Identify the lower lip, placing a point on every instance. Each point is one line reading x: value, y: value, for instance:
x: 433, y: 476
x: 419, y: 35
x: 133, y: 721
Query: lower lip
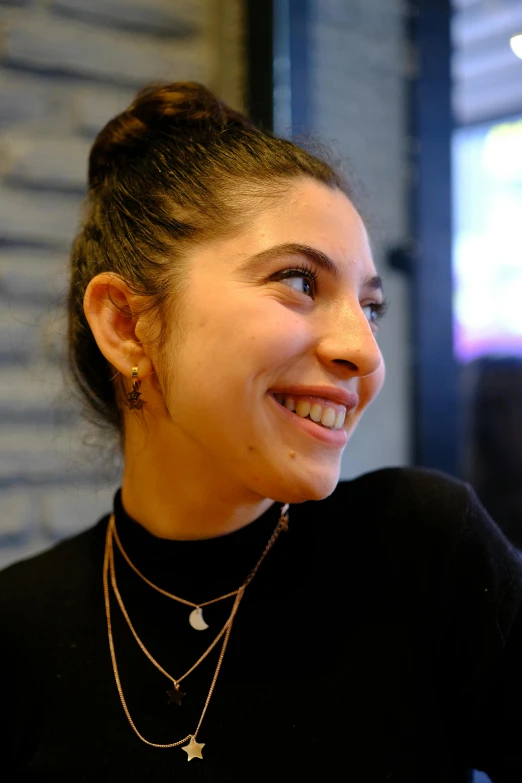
x: 332, y: 437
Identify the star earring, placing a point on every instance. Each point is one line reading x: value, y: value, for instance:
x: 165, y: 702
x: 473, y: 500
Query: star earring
x: 133, y: 397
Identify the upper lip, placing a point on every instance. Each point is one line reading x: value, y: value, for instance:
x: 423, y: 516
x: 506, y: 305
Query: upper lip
x: 340, y: 396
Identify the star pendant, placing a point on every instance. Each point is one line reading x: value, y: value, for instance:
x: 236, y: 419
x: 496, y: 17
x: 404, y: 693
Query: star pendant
x: 134, y: 399
x: 193, y: 749
x: 175, y: 695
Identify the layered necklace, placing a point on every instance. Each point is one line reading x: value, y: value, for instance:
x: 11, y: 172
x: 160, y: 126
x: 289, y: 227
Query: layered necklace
x: 175, y: 695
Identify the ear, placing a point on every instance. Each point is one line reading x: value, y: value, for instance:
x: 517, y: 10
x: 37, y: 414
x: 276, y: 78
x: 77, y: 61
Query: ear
x: 112, y: 313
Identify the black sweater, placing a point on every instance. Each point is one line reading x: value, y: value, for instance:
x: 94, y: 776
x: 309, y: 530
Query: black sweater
x: 380, y: 642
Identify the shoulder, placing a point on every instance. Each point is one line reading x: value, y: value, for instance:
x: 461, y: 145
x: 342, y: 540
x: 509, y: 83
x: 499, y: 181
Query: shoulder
x: 421, y: 489
x: 408, y: 510
x: 419, y: 510
x: 399, y: 490
x: 52, y: 576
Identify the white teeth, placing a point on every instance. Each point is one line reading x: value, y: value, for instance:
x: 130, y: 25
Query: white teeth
x: 303, y: 408
x: 339, y: 421
x: 326, y: 415
x: 289, y: 403
x: 316, y: 411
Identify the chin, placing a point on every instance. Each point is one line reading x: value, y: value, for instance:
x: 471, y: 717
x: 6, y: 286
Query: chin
x: 299, y: 490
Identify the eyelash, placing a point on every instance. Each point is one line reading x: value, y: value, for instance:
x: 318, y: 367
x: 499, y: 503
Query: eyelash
x: 379, y: 309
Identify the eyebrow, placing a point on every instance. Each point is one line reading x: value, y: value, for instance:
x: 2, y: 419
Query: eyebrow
x: 372, y: 282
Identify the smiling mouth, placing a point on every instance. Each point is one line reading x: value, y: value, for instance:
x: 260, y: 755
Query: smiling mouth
x: 323, y: 416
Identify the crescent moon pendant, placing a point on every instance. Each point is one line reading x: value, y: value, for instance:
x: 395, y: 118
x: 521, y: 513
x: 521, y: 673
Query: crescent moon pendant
x: 196, y: 619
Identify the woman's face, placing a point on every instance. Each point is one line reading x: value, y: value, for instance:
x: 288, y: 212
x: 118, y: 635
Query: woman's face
x: 249, y: 329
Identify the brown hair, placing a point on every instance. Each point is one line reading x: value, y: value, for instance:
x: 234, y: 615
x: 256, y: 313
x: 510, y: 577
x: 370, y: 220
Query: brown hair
x: 177, y: 167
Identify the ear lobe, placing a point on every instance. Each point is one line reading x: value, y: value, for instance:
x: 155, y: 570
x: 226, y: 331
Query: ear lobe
x: 108, y: 309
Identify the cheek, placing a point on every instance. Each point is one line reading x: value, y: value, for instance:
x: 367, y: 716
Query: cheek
x: 264, y: 337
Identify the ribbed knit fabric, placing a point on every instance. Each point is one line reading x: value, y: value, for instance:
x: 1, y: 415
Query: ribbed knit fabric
x: 380, y: 641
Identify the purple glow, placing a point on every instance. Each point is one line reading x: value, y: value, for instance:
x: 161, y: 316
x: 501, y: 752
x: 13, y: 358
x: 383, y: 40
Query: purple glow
x: 487, y: 249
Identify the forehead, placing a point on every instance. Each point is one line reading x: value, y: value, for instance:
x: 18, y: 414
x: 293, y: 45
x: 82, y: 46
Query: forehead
x: 309, y: 213
x: 313, y: 214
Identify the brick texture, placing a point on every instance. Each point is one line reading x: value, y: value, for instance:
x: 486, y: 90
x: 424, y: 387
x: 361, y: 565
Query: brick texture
x: 81, y: 49
x: 66, y: 67
x: 358, y: 66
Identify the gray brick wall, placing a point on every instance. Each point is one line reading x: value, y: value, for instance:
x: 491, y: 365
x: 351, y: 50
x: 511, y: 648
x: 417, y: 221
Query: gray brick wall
x: 358, y: 66
x: 66, y: 67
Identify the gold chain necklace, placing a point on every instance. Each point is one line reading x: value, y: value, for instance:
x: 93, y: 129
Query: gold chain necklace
x: 194, y: 748
x: 175, y: 695
x: 196, y: 619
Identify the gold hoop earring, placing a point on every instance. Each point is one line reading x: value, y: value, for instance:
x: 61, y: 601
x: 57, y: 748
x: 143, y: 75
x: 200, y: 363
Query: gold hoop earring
x: 133, y: 397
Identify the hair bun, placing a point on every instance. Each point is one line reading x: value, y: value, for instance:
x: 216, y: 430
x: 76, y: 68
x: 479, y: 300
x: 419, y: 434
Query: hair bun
x: 179, y: 107
x: 184, y: 103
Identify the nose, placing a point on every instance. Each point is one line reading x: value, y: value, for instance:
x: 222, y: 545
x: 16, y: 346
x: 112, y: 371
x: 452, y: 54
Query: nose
x: 348, y: 341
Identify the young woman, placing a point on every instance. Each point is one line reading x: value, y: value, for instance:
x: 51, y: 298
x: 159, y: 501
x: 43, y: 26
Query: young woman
x: 242, y: 615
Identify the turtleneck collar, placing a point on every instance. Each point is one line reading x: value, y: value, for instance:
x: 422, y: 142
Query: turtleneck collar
x: 204, y: 565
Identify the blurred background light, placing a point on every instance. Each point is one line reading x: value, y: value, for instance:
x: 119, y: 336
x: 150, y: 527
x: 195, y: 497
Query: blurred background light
x: 516, y: 44
x: 487, y: 168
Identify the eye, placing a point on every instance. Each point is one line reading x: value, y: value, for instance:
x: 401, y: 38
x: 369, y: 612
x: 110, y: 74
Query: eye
x: 375, y: 312
x: 307, y: 274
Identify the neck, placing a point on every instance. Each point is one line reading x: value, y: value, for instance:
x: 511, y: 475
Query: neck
x: 174, y: 497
